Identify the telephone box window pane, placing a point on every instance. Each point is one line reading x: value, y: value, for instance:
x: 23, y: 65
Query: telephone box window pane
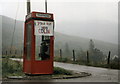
x: 28, y: 42
x: 42, y: 48
x: 37, y: 46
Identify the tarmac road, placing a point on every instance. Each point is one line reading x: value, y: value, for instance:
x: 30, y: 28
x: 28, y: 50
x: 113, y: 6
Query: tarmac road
x: 98, y: 74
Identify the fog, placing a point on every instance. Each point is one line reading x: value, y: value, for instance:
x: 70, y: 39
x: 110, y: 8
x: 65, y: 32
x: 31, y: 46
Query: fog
x: 90, y: 19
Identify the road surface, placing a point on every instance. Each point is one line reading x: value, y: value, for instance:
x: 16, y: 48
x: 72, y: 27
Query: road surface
x: 98, y: 74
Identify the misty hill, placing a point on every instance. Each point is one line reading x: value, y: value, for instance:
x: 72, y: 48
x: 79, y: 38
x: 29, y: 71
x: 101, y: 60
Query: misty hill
x: 7, y: 32
x: 61, y: 40
x: 79, y: 43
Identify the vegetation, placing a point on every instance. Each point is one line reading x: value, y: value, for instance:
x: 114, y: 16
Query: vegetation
x: 61, y: 71
x: 10, y: 67
x: 12, y: 56
x: 112, y: 65
x: 59, y: 59
x: 95, y: 54
x: 14, y: 68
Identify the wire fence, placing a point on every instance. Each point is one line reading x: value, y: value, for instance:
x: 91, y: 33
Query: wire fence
x: 86, y: 59
x: 12, y: 53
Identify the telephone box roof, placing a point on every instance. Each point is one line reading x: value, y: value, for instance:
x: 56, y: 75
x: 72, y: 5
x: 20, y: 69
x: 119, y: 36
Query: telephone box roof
x: 40, y: 15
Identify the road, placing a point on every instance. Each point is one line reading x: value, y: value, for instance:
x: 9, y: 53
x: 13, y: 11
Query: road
x: 98, y: 74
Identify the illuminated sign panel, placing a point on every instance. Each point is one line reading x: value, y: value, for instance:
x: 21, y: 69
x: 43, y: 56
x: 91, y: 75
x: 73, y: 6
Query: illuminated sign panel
x: 43, y: 15
x: 43, y: 28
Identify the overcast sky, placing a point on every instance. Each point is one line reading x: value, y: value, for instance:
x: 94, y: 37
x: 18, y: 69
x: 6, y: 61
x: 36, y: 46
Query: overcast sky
x: 96, y: 19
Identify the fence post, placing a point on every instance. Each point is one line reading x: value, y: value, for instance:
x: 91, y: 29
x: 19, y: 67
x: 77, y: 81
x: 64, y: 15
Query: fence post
x: 21, y: 53
x: 15, y: 52
x: 6, y: 52
x: 60, y: 53
x: 88, y: 57
x: 118, y: 61
x: 108, y: 61
x: 74, y: 55
x: 10, y: 52
x: 2, y: 53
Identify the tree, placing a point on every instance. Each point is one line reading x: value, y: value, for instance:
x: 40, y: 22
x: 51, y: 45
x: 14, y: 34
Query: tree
x: 67, y: 50
x: 91, y: 46
x: 95, y: 54
x: 82, y: 56
x: 98, y: 55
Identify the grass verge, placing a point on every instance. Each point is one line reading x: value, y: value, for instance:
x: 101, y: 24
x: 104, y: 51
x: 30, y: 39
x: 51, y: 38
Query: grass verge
x: 14, y: 68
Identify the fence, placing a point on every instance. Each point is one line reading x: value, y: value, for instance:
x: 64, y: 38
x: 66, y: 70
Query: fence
x: 106, y: 62
x: 12, y: 53
x: 74, y: 58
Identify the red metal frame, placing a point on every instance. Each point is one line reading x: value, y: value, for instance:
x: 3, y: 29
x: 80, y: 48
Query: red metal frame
x: 33, y: 66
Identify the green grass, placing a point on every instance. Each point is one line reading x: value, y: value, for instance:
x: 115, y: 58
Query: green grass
x: 58, y: 59
x: 61, y: 71
x: 10, y: 67
x: 11, y: 56
x: 14, y: 68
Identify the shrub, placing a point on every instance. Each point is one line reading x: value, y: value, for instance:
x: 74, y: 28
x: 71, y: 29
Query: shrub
x: 10, y: 67
x: 114, y: 65
x: 58, y: 59
x: 58, y: 70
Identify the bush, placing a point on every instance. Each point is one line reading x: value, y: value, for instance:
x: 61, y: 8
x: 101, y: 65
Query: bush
x: 61, y: 71
x: 114, y: 66
x: 10, y: 67
x: 58, y: 59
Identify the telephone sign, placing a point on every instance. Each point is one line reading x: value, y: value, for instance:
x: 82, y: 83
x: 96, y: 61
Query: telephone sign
x: 43, y: 15
x: 43, y: 28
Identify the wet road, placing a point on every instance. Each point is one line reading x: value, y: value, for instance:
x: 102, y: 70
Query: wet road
x: 98, y: 74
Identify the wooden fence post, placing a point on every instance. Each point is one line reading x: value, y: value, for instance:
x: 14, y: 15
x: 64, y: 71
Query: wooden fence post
x: 108, y: 61
x: 88, y: 57
x: 118, y: 62
x: 2, y: 53
x: 15, y: 52
x: 6, y: 52
x: 74, y: 55
x: 60, y: 53
x: 10, y: 52
x: 21, y: 53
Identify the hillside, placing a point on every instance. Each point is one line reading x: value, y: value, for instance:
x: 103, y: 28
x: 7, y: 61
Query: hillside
x: 79, y: 43
x: 7, y: 32
x: 73, y: 42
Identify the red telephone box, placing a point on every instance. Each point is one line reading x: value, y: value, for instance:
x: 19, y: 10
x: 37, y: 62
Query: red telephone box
x: 38, y: 43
